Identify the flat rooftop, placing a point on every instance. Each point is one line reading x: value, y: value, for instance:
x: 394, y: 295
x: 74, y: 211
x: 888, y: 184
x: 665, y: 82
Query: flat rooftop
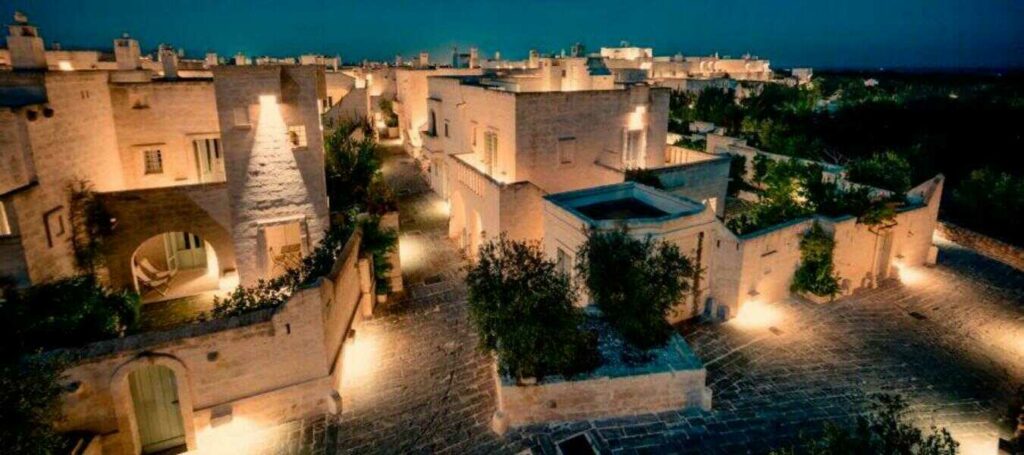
x: 628, y: 202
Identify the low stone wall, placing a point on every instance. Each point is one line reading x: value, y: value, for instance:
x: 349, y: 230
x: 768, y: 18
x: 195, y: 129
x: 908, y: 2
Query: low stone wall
x: 988, y: 246
x: 604, y: 397
x: 674, y: 378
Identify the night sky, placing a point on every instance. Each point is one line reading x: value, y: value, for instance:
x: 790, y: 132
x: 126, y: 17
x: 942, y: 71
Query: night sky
x: 819, y: 33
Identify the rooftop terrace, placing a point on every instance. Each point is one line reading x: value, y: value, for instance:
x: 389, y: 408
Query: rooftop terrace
x: 630, y: 202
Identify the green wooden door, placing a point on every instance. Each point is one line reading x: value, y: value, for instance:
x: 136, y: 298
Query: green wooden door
x: 155, y: 397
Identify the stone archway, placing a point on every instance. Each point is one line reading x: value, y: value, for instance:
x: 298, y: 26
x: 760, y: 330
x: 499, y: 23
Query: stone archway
x: 142, y: 214
x: 124, y: 407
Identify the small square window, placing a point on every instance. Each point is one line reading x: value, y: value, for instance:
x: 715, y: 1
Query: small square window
x: 241, y: 115
x: 297, y: 136
x: 154, y: 162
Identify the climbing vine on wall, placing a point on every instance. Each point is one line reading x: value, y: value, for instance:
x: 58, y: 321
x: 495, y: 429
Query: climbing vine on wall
x: 816, y: 273
x: 91, y: 224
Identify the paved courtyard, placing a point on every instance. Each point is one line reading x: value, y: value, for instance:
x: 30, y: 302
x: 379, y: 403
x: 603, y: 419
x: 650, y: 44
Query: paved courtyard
x: 950, y: 339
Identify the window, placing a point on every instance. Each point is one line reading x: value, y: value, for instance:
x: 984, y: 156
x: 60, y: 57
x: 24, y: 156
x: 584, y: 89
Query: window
x: 5, y: 223
x: 632, y: 148
x: 241, y: 115
x: 474, y: 136
x: 445, y: 128
x: 153, y: 160
x: 563, y: 263
x: 566, y: 150
x: 432, y: 126
x: 297, y: 136
x: 491, y: 150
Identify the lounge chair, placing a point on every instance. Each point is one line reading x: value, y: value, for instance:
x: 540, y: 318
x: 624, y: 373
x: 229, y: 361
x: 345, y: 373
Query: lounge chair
x: 156, y: 273
x: 159, y: 285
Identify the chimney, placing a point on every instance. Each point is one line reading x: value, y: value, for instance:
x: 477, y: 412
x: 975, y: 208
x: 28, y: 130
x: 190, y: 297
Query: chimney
x: 25, y: 44
x: 474, y: 58
x: 240, y: 59
x: 424, y: 59
x: 127, y: 53
x: 534, y: 61
x: 210, y: 60
x: 169, y: 59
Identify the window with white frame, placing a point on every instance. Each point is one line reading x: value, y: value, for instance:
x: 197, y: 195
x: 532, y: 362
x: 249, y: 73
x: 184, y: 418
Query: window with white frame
x: 632, y: 148
x: 562, y: 262
x: 297, y: 136
x: 153, y: 162
x: 566, y: 150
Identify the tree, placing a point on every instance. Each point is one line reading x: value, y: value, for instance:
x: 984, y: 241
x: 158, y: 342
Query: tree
x: 888, y: 171
x: 523, y: 309
x: 634, y: 283
x: 30, y: 392
x: 816, y: 274
x: 885, y: 430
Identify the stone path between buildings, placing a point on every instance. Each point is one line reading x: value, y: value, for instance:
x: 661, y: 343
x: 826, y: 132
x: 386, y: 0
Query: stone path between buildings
x: 950, y: 339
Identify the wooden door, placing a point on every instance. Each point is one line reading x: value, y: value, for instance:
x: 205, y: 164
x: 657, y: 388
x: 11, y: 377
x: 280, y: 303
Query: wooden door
x: 189, y: 251
x: 155, y: 398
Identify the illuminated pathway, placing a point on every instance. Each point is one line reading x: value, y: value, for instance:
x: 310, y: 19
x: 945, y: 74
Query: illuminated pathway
x: 947, y: 339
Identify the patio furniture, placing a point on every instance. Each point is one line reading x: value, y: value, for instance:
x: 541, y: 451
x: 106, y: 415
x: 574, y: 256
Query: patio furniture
x: 289, y: 257
x: 159, y: 285
x: 156, y: 273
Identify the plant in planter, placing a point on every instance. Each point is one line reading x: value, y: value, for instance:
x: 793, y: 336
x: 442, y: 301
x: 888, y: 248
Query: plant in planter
x: 523, y: 310
x: 379, y: 242
x: 634, y: 283
x: 816, y: 274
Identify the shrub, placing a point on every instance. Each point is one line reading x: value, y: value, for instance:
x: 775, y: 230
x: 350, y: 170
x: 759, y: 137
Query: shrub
x: 30, y: 392
x: 816, y: 273
x: 90, y: 225
x: 991, y: 201
x: 65, y: 313
x: 523, y: 309
x: 884, y: 430
x: 634, y: 283
x: 275, y: 292
x: 888, y: 171
x: 379, y: 243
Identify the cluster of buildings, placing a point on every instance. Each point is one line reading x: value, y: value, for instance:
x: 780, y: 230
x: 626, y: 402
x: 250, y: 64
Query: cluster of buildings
x: 213, y: 175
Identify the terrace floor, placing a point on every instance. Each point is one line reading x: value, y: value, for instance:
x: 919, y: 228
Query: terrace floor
x: 950, y: 339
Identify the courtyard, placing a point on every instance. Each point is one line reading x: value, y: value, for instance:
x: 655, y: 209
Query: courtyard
x: 947, y: 338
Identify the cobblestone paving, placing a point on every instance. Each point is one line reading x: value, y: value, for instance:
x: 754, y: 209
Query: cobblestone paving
x: 948, y: 339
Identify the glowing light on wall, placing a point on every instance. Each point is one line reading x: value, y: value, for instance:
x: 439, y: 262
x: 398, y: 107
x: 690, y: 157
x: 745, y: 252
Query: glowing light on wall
x: 240, y: 435
x: 910, y: 276
x: 756, y: 314
x: 65, y: 65
x: 361, y: 354
x: 636, y: 118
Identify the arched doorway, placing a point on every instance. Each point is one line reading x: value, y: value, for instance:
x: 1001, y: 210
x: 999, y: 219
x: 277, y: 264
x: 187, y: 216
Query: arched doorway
x: 173, y: 265
x: 154, y: 393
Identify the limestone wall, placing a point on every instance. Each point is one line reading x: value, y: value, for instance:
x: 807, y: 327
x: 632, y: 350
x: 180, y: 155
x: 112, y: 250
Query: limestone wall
x: 411, y: 91
x: 703, y: 181
x: 163, y: 115
x: 522, y: 206
x: 271, y: 180
x: 261, y: 368
x: 77, y: 142
x: 995, y: 249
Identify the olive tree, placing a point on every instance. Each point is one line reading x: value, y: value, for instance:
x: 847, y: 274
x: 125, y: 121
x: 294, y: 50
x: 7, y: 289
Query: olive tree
x: 523, y: 309
x: 634, y: 282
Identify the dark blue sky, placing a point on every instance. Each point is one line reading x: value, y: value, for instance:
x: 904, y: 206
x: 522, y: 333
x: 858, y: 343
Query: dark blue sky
x: 820, y: 33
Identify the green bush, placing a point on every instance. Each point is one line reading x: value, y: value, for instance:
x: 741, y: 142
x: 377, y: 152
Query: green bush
x: 884, y: 430
x: 888, y: 171
x: 30, y: 392
x: 69, y: 312
x: 379, y: 243
x: 275, y: 292
x: 634, y: 283
x: 816, y: 274
x: 523, y: 309
x: 990, y: 201
x: 90, y: 225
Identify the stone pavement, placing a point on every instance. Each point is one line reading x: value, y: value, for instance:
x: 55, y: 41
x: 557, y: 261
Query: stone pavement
x: 950, y: 339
